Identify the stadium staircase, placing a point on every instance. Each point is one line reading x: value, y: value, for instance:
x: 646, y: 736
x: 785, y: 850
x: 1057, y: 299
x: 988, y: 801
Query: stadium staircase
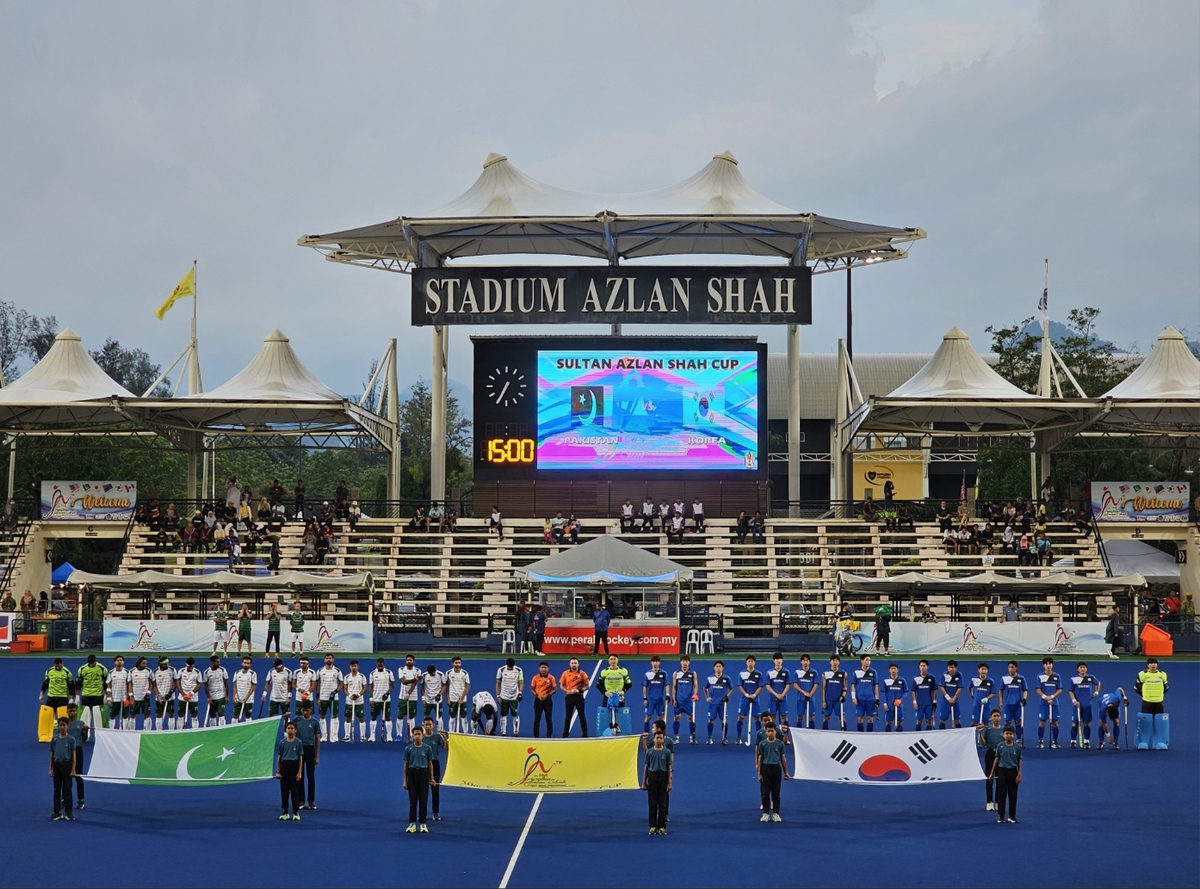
x: 464, y: 579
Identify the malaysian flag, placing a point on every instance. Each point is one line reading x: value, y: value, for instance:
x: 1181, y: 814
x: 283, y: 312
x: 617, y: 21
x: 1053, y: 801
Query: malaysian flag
x: 962, y: 490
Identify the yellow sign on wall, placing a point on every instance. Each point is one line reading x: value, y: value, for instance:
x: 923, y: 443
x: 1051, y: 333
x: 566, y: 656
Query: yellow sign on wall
x: 870, y: 476
x: 541, y: 765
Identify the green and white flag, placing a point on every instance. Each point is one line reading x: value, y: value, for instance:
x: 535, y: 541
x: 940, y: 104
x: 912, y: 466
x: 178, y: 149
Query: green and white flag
x: 204, y: 757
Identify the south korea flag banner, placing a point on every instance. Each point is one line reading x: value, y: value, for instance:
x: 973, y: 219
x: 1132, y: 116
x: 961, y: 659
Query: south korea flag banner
x: 895, y: 758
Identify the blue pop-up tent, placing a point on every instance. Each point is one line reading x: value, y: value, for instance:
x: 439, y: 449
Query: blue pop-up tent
x: 62, y: 573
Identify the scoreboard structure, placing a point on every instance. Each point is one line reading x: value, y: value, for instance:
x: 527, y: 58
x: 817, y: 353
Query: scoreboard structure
x: 629, y: 409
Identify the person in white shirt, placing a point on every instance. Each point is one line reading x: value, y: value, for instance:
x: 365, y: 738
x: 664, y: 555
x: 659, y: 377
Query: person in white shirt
x: 118, y: 694
x: 304, y: 683
x: 329, y: 683
x: 664, y: 516
x: 216, y: 687
x: 458, y: 686
x: 698, y: 515
x: 676, y: 530
x: 483, y: 715
x: 245, y: 681
x: 510, y: 688
x: 627, y: 516
x: 409, y: 680
x: 382, y: 681
x: 140, y: 678
x: 188, y: 680
x: 164, y: 693
x: 277, y: 690
x: 647, y: 514
x: 433, y: 685
x: 354, y: 684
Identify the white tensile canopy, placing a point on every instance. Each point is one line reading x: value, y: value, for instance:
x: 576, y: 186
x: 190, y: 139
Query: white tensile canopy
x: 507, y: 212
x: 274, y: 393
x: 987, y: 582
x: 287, y: 580
x: 605, y: 560
x: 957, y: 391
x: 66, y: 388
x: 1161, y: 395
x: 1137, y: 556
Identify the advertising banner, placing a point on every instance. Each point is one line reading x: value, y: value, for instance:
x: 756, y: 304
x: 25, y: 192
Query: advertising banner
x: 88, y: 501
x: 629, y: 638
x: 150, y: 636
x: 604, y: 295
x: 890, y: 759
x: 983, y: 638
x: 1140, y: 501
x: 525, y: 765
x: 6, y: 626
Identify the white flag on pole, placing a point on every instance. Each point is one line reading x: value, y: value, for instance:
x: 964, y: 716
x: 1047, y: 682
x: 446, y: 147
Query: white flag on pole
x: 894, y: 758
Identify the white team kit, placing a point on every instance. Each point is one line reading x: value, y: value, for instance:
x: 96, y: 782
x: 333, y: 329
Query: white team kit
x: 329, y: 681
x: 481, y: 700
x: 409, y: 681
x: 118, y: 692
x: 164, y: 690
x: 458, y: 684
x: 244, y: 684
x: 187, y: 682
x: 355, y: 686
x: 382, y: 681
x: 278, y: 690
x: 432, y: 685
x: 216, y: 679
x: 510, y: 682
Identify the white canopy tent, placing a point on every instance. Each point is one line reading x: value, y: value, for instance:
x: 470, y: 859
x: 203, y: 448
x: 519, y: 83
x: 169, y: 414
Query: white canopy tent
x: 1008, y: 587
x: 1161, y: 395
x: 225, y: 580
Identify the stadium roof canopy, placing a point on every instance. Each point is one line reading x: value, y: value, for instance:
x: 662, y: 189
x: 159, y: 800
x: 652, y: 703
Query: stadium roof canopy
x: 988, y: 582
x: 716, y: 211
x: 605, y: 560
x: 67, y: 388
x: 229, y: 580
x: 1161, y: 395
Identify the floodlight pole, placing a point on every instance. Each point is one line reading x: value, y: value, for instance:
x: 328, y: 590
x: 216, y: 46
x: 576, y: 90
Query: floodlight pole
x: 799, y: 260
x: 848, y: 493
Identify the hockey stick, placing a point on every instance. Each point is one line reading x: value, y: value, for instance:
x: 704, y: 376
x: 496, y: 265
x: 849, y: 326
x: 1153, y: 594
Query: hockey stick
x: 1125, y: 704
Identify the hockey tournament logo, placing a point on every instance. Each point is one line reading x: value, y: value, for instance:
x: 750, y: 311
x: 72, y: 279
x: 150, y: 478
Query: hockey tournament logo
x: 536, y: 773
x: 325, y: 640
x: 145, y: 639
x: 970, y: 640
x: 1062, y: 641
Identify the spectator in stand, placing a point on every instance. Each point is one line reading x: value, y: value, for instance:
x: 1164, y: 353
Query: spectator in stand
x: 758, y: 528
x: 451, y: 518
x: 1008, y: 541
x: 154, y: 517
x: 353, y: 515
x: 28, y: 604
x: 547, y: 532
x: 341, y: 500
x: 742, y: 527
x: 496, y: 521
x: 558, y: 527
x: 308, y: 548
x: 244, y: 516
x: 1045, y: 552
x: 1013, y: 612
x: 943, y: 517
x: 300, y: 493
x: 869, y: 513
x: 889, y: 491
x: 1047, y: 492
x: 419, y: 521
x: 904, y: 518
x: 986, y: 539
x: 927, y: 615
x: 537, y: 627
x: 264, y: 510
x: 275, y: 553
x: 627, y: 516
x: 233, y: 493
x: 276, y: 493
x: 648, y: 514
x: 698, y: 515
x: 573, y: 528
x: 1024, y: 550
x: 326, y: 513
x: 964, y: 513
x: 677, y: 508
x: 437, y: 517
x: 664, y: 516
x: 1083, y: 519
x: 10, y: 517
x: 8, y: 603
x: 676, y: 530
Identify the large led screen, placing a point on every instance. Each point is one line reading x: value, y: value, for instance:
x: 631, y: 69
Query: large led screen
x: 609, y: 409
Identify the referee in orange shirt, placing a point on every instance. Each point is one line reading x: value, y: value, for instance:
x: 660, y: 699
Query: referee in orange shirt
x: 574, y: 683
x: 543, y: 687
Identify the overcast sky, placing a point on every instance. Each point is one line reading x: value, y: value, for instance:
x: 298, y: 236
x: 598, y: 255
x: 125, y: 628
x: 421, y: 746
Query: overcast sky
x: 140, y: 136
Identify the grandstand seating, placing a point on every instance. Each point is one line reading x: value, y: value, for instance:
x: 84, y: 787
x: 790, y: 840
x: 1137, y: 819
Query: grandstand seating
x: 465, y: 578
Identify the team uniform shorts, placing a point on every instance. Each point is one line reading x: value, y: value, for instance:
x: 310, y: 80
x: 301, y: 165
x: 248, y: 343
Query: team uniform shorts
x: 118, y: 709
x: 355, y: 710
x: 275, y: 707
x: 777, y: 707
x: 716, y: 710
x: 947, y: 710
x: 406, y: 708
x: 895, y: 713
x: 1110, y: 712
x: 1085, y: 713
x: 216, y: 707
x: 508, y: 706
x: 383, y: 707
x: 924, y: 712
x: 684, y: 709
x: 163, y: 707
x: 429, y: 709
x: 243, y: 708
x: 866, y: 708
x: 1012, y: 713
x: 805, y: 707
x: 981, y: 711
x: 298, y: 639
x: 92, y: 701
x: 142, y: 706
x: 220, y: 637
x: 1044, y: 709
x: 656, y: 708
x: 459, y: 708
x: 830, y: 708
x: 327, y: 707
x: 183, y: 707
x: 744, y: 706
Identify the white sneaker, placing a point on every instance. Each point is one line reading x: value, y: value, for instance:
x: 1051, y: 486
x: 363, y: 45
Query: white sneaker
x: 775, y: 817
x: 765, y: 818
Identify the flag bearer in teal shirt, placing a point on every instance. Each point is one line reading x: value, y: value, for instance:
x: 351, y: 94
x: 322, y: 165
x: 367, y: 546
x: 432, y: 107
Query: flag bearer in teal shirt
x: 62, y: 769
x: 991, y: 736
x: 1007, y: 771
x: 656, y: 781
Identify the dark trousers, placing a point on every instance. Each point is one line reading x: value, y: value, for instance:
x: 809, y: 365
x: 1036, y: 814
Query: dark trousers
x: 574, y: 704
x: 272, y: 634
x: 543, y: 707
x: 79, y: 774
x: 62, y: 786
x: 656, y: 793
x: 418, y: 795
x: 1006, y: 789
x: 601, y: 639
x: 308, y: 784
x: 769, y: 786
x: 435, y: 790
x: 989, y: 784
x: 291, y: 788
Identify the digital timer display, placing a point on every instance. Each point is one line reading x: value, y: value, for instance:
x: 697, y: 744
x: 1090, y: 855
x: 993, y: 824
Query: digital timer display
x: 510, y: 450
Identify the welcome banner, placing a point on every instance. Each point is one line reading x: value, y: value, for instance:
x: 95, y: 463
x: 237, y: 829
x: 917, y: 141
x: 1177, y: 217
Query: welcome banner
x: 151, y: 636
x: 79, y: 501
x: 1140, y: 501
x: 887, y: 758
x: 230, y: 754
x: 539, y: 765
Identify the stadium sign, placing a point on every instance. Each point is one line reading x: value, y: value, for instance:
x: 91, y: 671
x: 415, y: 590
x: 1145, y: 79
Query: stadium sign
x: 80, y: 501
x: 612, y: 295
x: 1140, y: 501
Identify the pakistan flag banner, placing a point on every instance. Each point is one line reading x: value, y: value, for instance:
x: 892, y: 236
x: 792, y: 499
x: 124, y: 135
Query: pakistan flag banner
x: 203, y: 757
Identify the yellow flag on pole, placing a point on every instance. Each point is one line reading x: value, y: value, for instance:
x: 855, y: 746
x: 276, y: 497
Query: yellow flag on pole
x: 186, y: 287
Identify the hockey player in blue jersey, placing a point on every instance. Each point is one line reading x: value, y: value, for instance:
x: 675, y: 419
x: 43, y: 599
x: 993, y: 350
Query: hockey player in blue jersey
x: 1014, y: 692
x: 895, y: 690
x: 807, y: 684
x: 1110, y: 709
x: 774, y: 696
x: 750, y: 686
x: 654, y: 693
x: 864, y: 687
x: 950, y: 696
x: 833, y: 693
x: 1083, y: 690
x: 983, y: 697
x: 1049, y: 688
x: 717, y: 690
x: 924, y: 693
x: 685, y: 691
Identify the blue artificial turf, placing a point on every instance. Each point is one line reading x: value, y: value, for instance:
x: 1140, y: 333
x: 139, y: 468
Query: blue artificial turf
x: 1084, y: 818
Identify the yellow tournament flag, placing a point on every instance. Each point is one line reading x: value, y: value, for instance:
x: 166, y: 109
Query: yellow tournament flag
x: 541, y: 765
x: 186, y: 287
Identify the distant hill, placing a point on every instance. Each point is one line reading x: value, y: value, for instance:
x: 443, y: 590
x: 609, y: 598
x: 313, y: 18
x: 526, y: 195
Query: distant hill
x: 1058, y: 333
